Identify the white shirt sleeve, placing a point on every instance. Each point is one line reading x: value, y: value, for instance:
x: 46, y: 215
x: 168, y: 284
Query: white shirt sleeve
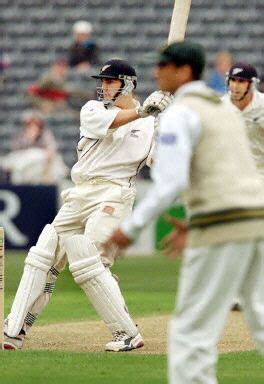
x: 96, y: 119
x: 179, y: 131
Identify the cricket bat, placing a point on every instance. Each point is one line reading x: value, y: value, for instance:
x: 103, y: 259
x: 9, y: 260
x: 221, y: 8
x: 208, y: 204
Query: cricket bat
x: 179, y: 20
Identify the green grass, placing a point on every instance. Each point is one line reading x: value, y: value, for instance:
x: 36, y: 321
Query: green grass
x: 89, y: 368
x: 241, y: 368
x: 149, y: 285
x: 99, y: 368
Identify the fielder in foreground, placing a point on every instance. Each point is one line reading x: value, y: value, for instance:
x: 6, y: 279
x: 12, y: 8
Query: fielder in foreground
x: 116, y: 138
x: 203, y: 152
x: 243, y: 96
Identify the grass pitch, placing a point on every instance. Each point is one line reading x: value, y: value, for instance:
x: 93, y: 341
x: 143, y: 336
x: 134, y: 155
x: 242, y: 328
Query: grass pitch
x: 27, y: 367
x: 149, y: 285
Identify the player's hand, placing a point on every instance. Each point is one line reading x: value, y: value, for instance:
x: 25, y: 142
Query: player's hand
x: 155, y: 104
x: 175, y: 242
x: 118, y: 240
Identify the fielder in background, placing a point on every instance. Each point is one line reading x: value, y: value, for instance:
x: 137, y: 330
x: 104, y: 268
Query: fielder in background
x: 203, y: 153
x: 242, y: 79
x: 116, y: 140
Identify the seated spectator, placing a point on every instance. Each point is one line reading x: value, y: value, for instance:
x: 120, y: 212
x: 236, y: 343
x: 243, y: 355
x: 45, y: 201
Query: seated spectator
x: 83, y: 52
x: 60, y: 89
x: 4, y: 64
x: 217, y: 78
x: 34, y: 158
x: 50, y: 92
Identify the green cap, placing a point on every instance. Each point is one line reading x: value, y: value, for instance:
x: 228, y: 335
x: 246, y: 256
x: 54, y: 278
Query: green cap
x: 181, y: 53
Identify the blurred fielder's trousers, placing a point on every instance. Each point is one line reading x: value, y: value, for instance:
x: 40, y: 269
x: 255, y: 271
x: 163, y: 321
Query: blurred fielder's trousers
x: 210, y: 279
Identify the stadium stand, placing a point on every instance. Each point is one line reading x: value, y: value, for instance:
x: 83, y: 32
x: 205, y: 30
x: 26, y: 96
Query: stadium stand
x: 35, y: 32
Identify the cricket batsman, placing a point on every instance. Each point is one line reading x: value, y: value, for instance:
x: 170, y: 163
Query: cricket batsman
x: 116, y: 140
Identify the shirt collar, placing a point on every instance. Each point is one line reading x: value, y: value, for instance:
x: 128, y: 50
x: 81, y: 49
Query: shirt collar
x: 253, y: 102
x: 192, y: 86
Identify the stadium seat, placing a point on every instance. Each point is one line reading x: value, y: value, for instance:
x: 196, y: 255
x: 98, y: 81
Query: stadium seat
x: 35, y: 33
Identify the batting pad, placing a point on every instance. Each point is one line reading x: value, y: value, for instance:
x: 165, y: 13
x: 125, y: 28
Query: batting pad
x: 37, y: 264
x: 99, y: 284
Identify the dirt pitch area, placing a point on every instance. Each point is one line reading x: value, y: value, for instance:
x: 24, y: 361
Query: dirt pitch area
x: 91, y: 336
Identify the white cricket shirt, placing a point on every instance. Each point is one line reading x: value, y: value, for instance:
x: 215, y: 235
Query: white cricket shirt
x: 253, y: 115
x: 180, y: 129
x: 112, y: 154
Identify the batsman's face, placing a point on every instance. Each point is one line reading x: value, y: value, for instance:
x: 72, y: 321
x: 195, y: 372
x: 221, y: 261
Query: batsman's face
x: 110, y: 87
x: 238, y: 88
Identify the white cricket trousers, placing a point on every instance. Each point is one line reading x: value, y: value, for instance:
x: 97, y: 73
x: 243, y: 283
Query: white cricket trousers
x: 95, y: 210
x: 210, y: 279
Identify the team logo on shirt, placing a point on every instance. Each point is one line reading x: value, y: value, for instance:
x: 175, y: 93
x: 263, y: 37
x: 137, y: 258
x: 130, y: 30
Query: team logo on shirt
x: 108, y: 209
x: 133, y: 132
x: 168, y: 138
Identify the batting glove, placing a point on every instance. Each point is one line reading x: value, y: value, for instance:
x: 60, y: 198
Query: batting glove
x: 155, y: 104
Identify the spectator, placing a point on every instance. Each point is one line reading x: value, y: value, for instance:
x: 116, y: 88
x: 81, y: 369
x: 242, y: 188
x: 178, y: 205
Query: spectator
x: 4, y: 64
x: 60, y: 89
x: 34, y: 158
x: 83, y: 52
x: 217, y: 78
x: 50, y: 92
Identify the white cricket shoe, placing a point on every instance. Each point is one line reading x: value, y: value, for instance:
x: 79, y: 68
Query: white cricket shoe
x: 122, y: 342
x: 14, y: 342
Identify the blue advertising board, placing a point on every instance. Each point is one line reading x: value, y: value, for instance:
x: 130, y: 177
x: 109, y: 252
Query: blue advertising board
x: 24, y: 211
